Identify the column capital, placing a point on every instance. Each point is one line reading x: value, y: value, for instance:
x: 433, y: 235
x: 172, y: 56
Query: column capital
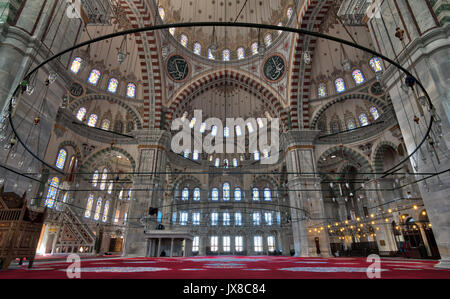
x: 153, y: 139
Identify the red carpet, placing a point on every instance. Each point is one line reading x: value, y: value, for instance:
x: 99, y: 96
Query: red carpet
x: 228, y: 267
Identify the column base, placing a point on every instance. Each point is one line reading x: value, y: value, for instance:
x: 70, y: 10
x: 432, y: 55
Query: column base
x: 443, y: 264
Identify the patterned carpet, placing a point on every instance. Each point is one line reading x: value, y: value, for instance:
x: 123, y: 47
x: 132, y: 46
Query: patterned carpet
x: 227, y: 267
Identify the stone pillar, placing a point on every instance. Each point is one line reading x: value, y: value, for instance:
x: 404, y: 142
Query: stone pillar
x: 305, y: 205
x: 153, y: 147
x: 171, y: 247
x: 342, y: 209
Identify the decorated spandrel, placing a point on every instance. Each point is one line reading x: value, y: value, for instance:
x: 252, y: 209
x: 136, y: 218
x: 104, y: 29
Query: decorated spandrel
x: 274, y: 68
x: 177, y: 67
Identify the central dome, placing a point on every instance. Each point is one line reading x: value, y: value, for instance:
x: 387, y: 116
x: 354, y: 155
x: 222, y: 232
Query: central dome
x: 226, y: 43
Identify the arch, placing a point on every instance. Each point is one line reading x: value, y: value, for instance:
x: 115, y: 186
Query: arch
x: 378, y: 102
x: 103, y: 97
x: 378, y: 155
x: 95, y: 157
x: 76, y: 149
x: 214, y: 78
x: 360, y: 160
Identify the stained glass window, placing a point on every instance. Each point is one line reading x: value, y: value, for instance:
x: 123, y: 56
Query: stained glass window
x: 340, y: 85
x: 254, y: 48
x: 358, y: 77
x: 226, y: 219
x: 76, y: 65
x: 255, y: 193
x: 196, y: 196
x: 159, y: 217
x: 95, y: 178
x: 195, y: 155
x: 215, y: 194
x: 322, y: 91
x: 105, y: 211
x: 214, y: 131
x: 226, y: 192
x: 237, y: 194
x: 267, y: 194
x: 113, y: 85
x: 105, y: 124
x: 104, y: 178
x: 211, y: 54
x: 94, y: 77
x: 256, y: 156
x: 81, y: 113
x: 172, y: 30
x: 51, y: 194
x: 240, y: 53
x: 110, y: 187
x: 235, y: 162
x: 197, y: 48
x: 363, y: 119
x: 98, y: 209
x: 280, y: 25
x: 226, y: 132
x: 351, y: 124
x: 184, y: 40
x: 225, y: 163
x: 226, y: 55
x: 162, y: 13
x: 217, y: 162
x: 268, y: 39
x: 238, y: 131
x: 256, y: 218
x: 289, y: 13
x: 131, y: 90
x: 374, y: 112
x: 185, y: 194
x: 92, y: 120
x: 375, y: 64
x: 268, y: 218
x: 61, y: 160
x: 89, y: 205
x: 121, y: 194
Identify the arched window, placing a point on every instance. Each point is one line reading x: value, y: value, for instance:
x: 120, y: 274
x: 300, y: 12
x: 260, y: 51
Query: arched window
x: 92, y: 121
x: 215, y: 194
x: 113, y: 85
x: 61, y: 159
x: 110, y: 187
x: 121, y: 194
x: 196, y: 196
x: 213, y: 131
x: 268, y: 39
x: 94, y: 77
x: 235, y: 162
x: 358, y: 77
x: 95, y: 178
x: 363, y: 119
x: 238, y: 131
x: 105, y: 211
x: 226, y: 192
x: 256, y: 156
x: 226, y: 132
x: 226, y: 55
x: 105, y: 124
x: 103, y: 180
x: 254, y: 48
x: 81, y: 113
x: 240, y: 53
x: 159, y: 217
x: 51, y: 193
x: 185, y: 194
x: 255, y: 193
x: 374, y: 112
x: 162, y: 13
x: 90, y: 203
x: 172, y: 30
x: 280, y: 24
x: 225, y: 163
x: 130, y: 126
x: 250, y: 128
x: 197, y: 48
x: 195, y: 155
x: 217, y: 162
x: 340, y: 85
x: 98, y: 209
x: 237, y: 194
x: 76, y: 65
x: 351, y: 124
x: 375, y: 64
x: 322, y: 91
x: 184, y: 40
x: 267, y: 194
x: 211, y: 54
x: 131, y: 90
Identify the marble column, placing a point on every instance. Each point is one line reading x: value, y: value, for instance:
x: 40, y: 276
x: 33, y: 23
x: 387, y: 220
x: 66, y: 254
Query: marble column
x: 307, y: 207
x: 153, y: 147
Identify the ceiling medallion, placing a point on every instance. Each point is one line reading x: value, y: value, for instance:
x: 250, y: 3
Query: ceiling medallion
x: 178, y: 68
x: 76, y: 90
x: 274, y: 68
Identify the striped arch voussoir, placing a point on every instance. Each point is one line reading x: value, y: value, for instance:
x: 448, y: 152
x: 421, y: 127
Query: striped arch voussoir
x: 378, y: 155
x: 360, y: 161
x: 95, y: 157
